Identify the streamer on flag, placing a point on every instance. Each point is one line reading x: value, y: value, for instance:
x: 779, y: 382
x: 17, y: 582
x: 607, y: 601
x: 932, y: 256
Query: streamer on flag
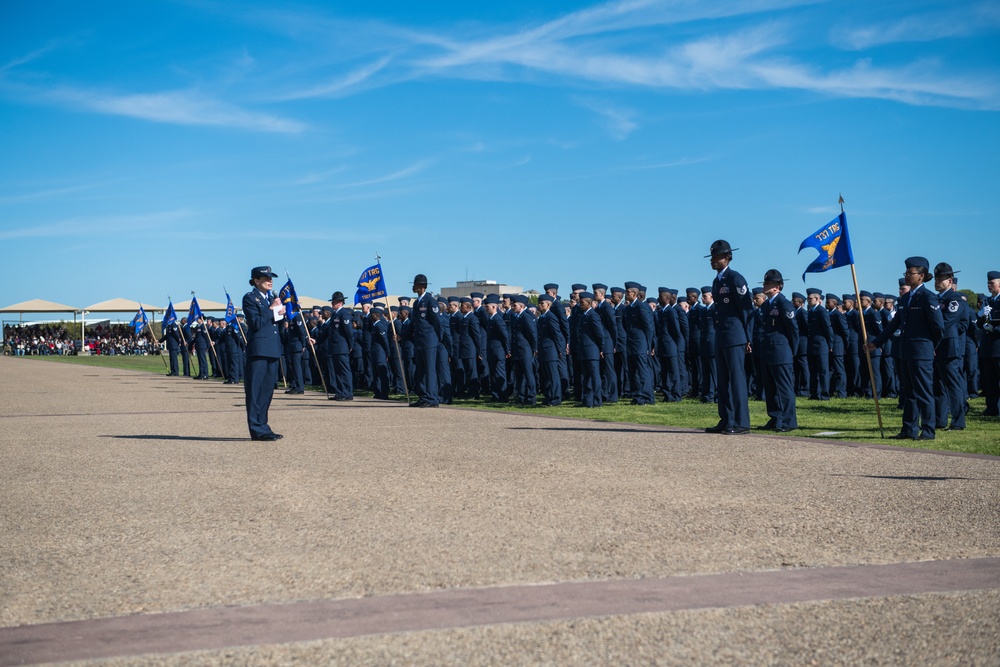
x: 230, y: 309
x: 170, y: 317
x: 371, y: 285
x: 834, y: 246
x: 139, y: 322
x: 290, y: 299
x: 194, y: 312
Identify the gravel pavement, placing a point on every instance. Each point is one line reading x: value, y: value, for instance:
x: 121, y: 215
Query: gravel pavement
x: 130, y: 493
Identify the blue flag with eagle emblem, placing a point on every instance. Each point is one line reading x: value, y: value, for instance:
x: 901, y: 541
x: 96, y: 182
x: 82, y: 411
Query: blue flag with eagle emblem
x: 833, y: 244
x: 371, y: 285
x: 139, y: 321
x: 170, y: 317
x: 230, y: 309
x: 194, y: 312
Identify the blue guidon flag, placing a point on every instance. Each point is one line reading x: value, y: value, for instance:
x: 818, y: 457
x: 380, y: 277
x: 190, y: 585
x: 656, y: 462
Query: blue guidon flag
x: 230, y: 309
x: 169, y: 317
x: 139, y: 322
x: 834, y: 246
x: 194, y: 312
x: 371, y: 285
x: 290, y: 299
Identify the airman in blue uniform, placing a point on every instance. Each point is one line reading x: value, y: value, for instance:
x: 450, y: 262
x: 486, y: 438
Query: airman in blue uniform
x: 801, y: 362
x: 524, y: 347
x: 922, y: 328
x: 640, y: 332
x: 706, y: 346
x: 425, y: 334
x: 949, y: 380
x: 590, y: 349
x: 988, y: 321
x: 469, y: 351
x: 780, y: 339
x: 873, y: 327
x: 497, y: 349
x: 838, y: 367
x: 172, y: 337
x: 668, y: 335
x: 733, y: 303
x: 378, y: 352
x: 820, y: 346
x: 263, y: 351
x: 606, y: 313
x: 551, y: 350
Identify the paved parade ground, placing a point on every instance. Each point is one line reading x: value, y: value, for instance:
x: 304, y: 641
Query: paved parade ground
x: 141, y: 525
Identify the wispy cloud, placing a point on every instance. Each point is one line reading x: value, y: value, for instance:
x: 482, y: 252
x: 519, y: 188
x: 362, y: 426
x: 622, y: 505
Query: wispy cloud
x: 182, y: 107
x: 618, y: 121
x: 341, y: 85
x: 51, y: 193
x: 406, y: 172
x: 923, y: 27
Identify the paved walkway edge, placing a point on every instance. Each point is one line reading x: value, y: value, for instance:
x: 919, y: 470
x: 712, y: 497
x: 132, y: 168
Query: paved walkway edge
x: 217, y: 628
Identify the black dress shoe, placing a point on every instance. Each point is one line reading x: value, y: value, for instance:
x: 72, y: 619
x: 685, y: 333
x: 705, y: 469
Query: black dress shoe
x: 783, y: 430
x: 924, y: 437
x: 297, y: 391
x: 267, y: 437
x: 331, y: 397
x: 769, y: 426
x: 901, y: 436
x: 736, y: 431
x: 345, y: 398
x: 719, y: 428
x: 955, y: 428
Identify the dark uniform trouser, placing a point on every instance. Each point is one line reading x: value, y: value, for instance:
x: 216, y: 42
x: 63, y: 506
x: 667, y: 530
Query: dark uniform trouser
x: 341, y: 368
x: 380, y: 378
x: 425, y: 376
x: 173, y: 361
x: 670, y: 382
x: 203, y: 363
x: 609, y: 382
x: 949, y: 392
x: 694, y: 377
x: 991, y: 385
x: 866, y: 382
x: 293, y: 360
x: 802, y: 379
x: 819, y: 376
x: 779, y: 393
x: 466, y: 378
x: 524, y: 380
x: 917, y: 392
x: 186, y: 358
x: 890, y: 383
x: 641, y: 378
x: 590, y: 383
x: 446, y: 388
x: 734, y: 406
x: 838, y: 376
x: 709, y: 378
x: 498, y: 377
x: 550, y: 373
x: 261, y: 373
x: 971, y: 369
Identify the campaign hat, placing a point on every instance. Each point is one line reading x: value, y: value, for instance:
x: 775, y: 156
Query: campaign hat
x: 773, y: 276
x: 944, y: 270
x: 420, y: 280
x: 337, y: 296
x: 720, y: 247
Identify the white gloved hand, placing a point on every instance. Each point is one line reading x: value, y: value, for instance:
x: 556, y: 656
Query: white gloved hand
x: 985, y: 311
x: 897, y: 333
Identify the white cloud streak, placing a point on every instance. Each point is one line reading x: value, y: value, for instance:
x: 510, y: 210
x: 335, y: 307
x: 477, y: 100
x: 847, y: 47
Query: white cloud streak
x: 126, y: 225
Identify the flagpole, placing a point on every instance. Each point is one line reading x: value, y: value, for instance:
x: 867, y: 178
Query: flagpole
x: 211, y: 345
x: 864, y: 335
x: 180, y: 330
x: 235, y: 316
x: 392, y: 325
x: 153, y: 336
x: 309, y: 338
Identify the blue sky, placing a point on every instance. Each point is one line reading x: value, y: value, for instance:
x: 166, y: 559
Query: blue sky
x: 155, y: 148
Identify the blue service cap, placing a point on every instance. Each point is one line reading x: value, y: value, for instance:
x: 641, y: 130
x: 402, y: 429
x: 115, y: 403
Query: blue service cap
x: 833, y: 297
x: 812, y: 290
x: 673, y: 292
x: 917, y: 262
x: 706, y: 289
x: 757, y: 290
x: 663, y: 290
x: 545, y: 297
x: 508, y: 296
x: 878, y: 295
x: 848, y: 297
x: 993, y: 275
x: 548, y: 286
x: 378, y: 309
x: 902, y: 281
x: 476, y: 295
x: 642, y: 288
x: 328, y: 309
x: 452, y: 299
x: 404, y: 308
x: 465, y: 299
x: 650, y: 299
x: 401, y: 299
x: 585, y: 295
x: 523, y: 299
x: 867, y: 294
x: 798, y: 295
x: 617, y: 290
x: 632, y: 285
x: 692, y: 290
x: 393, y: 309
x: 597, y: 286
x: 492, y: 298
x: 579, y: 287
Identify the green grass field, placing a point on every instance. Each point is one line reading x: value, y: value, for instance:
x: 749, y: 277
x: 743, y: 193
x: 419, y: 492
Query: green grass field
x: 849, y: 419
